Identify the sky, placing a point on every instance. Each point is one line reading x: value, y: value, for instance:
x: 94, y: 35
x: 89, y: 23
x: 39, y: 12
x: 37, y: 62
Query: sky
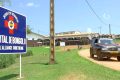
x: 70, y: 15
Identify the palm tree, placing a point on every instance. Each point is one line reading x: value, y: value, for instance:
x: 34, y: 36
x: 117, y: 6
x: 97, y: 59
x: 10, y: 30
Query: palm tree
x: 3, y: 2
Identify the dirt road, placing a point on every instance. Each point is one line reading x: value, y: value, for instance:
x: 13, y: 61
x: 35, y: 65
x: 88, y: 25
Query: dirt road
x: 112, y: 63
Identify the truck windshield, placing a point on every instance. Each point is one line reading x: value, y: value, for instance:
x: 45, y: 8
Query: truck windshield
x: 106, y: 41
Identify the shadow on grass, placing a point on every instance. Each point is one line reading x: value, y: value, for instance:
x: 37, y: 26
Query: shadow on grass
x: 42, y: 63
x: 39, y: 63
x: 7, y: 77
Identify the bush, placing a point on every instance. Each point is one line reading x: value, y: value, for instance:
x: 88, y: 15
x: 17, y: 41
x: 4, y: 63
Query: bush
x: 29, y: 53
x: 68, y: 49
x: 6, y: 60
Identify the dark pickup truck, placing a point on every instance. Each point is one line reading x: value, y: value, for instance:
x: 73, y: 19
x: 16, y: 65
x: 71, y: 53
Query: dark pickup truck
x: 104, y: 47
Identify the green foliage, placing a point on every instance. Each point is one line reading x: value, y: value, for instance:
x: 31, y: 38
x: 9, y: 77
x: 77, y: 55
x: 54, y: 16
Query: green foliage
x: 69, y: 66
x: 2, y: 2
x: 29, y: 53
x: 117, y: 40
x: 6, y: 60
x: 28, y: 29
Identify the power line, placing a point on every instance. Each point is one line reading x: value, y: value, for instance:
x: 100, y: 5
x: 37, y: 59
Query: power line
x: 95, y: 12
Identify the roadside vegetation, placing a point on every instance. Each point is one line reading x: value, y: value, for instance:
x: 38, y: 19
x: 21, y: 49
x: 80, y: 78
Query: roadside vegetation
x: 117, y: 40
x: 6, y: 60
x: 28, y: 53
x: 69, y: 66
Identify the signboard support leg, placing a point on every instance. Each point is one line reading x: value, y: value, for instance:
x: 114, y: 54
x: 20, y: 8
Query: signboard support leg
x: 20, y: 68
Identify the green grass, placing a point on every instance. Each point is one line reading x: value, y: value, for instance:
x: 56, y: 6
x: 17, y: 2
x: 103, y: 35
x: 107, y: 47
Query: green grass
x: 69, y: 65
x: 117, y: 41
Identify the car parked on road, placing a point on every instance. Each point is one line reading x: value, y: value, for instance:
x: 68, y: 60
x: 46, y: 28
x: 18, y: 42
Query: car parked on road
x: 104, y: 47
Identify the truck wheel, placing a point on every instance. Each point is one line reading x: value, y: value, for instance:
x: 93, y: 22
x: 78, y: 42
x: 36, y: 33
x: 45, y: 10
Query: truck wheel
x: 108, y: 58
x: 99, y: 56
x: 91, y: 53
x: 118, y: 58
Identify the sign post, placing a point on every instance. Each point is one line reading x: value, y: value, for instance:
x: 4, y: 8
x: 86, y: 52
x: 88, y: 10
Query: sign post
x: 20, y: 74
x: 12, y: 33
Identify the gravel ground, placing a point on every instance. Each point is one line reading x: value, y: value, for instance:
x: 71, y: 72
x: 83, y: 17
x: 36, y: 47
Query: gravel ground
x: 112, y: 63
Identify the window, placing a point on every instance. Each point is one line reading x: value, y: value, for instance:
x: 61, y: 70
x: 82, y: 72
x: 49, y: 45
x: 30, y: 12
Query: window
x: 96, y: 40
x: 32, y: 38
x: 106, y: 41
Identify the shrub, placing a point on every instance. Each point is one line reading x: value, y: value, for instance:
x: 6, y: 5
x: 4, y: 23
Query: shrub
x: 29, y: 53
x: 6, y: 60
x: 68, y: 49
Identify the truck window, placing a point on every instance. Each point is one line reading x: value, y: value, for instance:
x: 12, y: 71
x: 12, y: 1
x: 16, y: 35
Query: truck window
x: 96, y: 41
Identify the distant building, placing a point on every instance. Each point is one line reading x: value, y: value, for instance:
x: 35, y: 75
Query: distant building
x: 117, y: 36
x: 70, y: 38
x: 35, y: 36
x: 107, y: 35
x: 74, y: 37
x: 68, y: 33
x: 34, y: 39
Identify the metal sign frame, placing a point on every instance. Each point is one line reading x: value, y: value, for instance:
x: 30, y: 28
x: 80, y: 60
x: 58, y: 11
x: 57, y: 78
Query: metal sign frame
x: 12, y: 32
x: 9, y: 20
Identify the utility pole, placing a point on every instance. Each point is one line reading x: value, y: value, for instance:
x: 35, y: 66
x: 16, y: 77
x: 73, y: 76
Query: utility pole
x: 52, y: 41
x: 109, y: 29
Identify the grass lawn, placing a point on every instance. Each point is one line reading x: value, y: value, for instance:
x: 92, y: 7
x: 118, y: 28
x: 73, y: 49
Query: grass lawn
x: 117, y: 41
x: 70, y: 66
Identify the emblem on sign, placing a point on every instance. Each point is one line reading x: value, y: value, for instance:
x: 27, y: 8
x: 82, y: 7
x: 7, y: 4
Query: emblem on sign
x: 11, y: 23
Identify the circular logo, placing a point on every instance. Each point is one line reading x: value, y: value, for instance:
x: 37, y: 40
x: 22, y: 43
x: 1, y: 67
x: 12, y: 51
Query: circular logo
x: 11, y: 24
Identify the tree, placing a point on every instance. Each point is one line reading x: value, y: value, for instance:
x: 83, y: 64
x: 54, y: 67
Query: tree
x: 28, y: 29
x: 3, y: 2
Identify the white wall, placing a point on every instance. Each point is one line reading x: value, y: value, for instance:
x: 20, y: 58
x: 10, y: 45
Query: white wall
x: 35, y: 36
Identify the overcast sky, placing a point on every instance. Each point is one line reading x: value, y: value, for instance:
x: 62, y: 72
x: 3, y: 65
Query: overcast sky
x: 70, y: 15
